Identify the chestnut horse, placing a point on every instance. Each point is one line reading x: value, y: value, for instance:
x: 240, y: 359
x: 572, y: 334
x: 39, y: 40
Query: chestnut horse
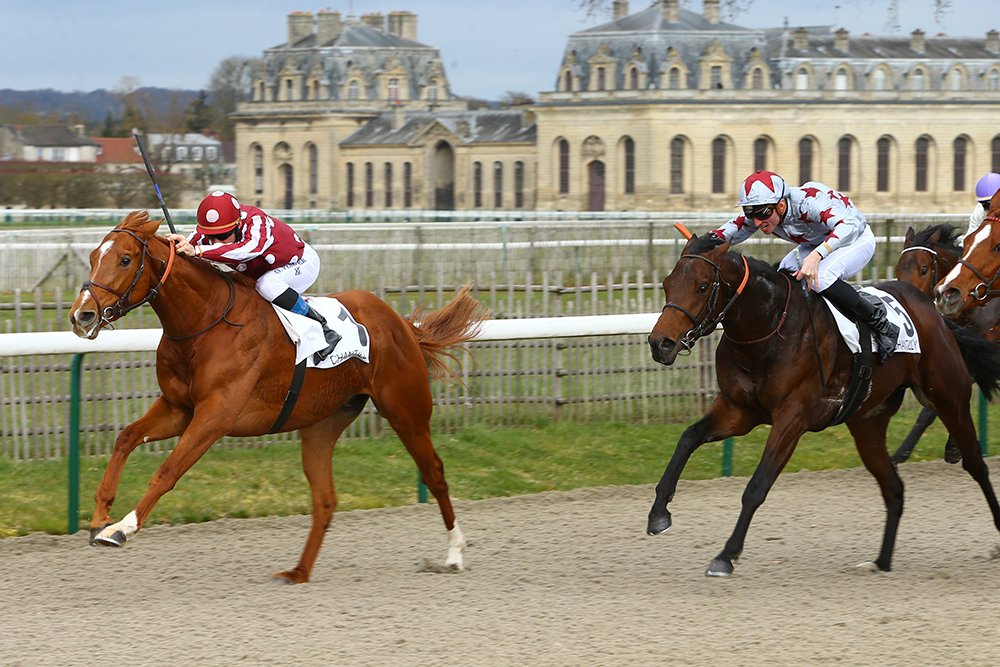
x: 974, y: 280
x: 782, y: 362
x: 928, y: 256
x: 225, y: 363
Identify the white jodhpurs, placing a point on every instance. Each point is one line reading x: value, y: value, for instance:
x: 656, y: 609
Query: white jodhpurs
x: 299, y: 275
x: 840, y: 264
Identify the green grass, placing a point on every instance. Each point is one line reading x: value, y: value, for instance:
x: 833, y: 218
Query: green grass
x: 480, y: 462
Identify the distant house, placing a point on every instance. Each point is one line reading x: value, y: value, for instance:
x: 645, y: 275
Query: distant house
x: 200, y: 157
x: 46, y: 143
x: 118, y: 155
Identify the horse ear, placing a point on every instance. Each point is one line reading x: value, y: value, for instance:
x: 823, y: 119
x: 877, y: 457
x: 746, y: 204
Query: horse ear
x: 909, y: 236
x: 935, y: 236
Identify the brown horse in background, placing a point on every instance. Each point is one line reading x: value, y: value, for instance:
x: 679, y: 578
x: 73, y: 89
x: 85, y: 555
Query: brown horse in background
x: 928, y: 256
x: 225, y: 364
x: 781, y: 361
x: 973, y: 281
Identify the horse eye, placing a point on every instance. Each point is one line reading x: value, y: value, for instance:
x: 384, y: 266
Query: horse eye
x: 125, y: 261
x: 703, y: 288
x: 923, y: 270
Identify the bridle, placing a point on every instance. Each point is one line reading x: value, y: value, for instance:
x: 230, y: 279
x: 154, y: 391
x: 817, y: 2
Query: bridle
x: 122, y: 307
x: 704, y: 323
x: 984, y: 290
x: 934, y: 261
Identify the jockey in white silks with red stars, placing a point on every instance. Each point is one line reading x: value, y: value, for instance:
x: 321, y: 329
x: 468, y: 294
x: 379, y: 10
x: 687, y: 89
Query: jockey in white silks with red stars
x: 833, y: 242
x: 261, y: 247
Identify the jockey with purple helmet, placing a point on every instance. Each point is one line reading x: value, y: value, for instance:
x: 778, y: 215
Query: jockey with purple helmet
x: 985, y: 189
x: 833, y: 242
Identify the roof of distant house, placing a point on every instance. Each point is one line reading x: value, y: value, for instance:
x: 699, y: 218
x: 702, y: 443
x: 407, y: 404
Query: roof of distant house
x: 50, y: 135
x: 116, y: 150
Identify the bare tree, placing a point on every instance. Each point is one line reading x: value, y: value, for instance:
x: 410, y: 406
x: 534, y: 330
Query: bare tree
x: 230, y: 85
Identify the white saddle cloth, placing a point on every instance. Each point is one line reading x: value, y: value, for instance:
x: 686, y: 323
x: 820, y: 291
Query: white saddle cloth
x: 908, y: 340
x: 307, y: 334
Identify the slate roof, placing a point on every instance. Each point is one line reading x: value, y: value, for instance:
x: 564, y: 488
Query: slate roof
x: 49, y: 135
x: 358, y: 35
x: 470, y: 127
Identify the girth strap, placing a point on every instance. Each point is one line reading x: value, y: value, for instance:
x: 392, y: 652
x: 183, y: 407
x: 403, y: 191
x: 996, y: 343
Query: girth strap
x: 291, y: 397
x: 861, y: 377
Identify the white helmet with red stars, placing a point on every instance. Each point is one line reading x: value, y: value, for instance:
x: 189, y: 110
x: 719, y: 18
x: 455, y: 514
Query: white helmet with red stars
x: 218, y: 213
x: 763, y: 187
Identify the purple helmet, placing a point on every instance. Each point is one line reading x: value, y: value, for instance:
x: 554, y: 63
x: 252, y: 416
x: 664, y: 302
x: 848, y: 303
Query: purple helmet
x: 987, y: 186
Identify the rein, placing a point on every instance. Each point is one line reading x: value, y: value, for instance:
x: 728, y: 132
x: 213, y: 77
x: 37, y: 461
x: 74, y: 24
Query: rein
x: 781, y: 320
x: 707, y: 323
x: 122, y: 307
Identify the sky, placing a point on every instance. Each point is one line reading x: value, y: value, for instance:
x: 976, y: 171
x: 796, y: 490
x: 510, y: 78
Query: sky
x: 489, y: 47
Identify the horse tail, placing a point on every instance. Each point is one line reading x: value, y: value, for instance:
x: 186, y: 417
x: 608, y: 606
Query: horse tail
x: 982, y: 358
x: 439, y: 331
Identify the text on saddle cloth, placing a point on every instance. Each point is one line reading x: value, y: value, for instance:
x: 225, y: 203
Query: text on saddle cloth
x: 307, y: 334
x: 908, y: 340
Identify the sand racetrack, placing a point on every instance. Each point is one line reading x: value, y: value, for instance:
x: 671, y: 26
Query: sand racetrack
x: 561, y: 578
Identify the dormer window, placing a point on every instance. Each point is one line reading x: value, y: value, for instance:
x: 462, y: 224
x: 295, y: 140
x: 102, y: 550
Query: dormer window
x: 568, y: 81
x: 633, y: 78
x: 716, y: 76
x: 601, y: 83
x: 674, y: 78
x: 917, y: 80
x: 393, y: 90
x: 353, y: 90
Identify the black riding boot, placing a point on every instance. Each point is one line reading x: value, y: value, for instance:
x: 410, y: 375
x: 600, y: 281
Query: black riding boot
x: 293, y: 301
x: 858, y: 309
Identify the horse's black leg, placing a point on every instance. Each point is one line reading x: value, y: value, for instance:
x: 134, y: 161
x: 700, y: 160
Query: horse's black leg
x: 721, y: 421
x: 924, y: 419
x: 869, y: 438
x: 952, y: 454
x: 780, y: 445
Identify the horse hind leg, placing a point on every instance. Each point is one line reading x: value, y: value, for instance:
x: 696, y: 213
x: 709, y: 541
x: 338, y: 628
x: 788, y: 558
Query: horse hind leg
x: 317, y: 446
x: 407, y: 405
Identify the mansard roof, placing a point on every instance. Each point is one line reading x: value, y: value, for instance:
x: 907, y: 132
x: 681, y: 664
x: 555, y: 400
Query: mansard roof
x: 652, y: 19
x: 466, y: 127
x: 358, y: 35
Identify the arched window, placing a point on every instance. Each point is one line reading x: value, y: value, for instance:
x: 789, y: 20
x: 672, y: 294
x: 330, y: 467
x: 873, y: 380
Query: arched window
x: 960, y: 151
x: 718, y: 165
x: 993, y: 80
x: 759, y: 154
x: 313, y: 156
x: 844, y: 164
x: 353, y: 90
x: 258, y: 170
x: 393, y: 90
x: 805, y: 159
x: 757, y: 79
x: 601, y: 83
x: 922, y: 158
x: 676, y: 166
x: 369, y: 185
x: 432, y: 91
x: 498, y: 185
x: 633, y: 78
x: 477, y: 184
x: 388, y: 185
x: 802, y: 79
x: 518, y: 184
x: 568, y: 81
x: 878, y: 79
x: 563, y: 167
x: 882, y: 164
x: 841, y: 79
x: 917, y: 80
x: 407, y: 185
x: 674, y: 78
x: 350, y: 185
x: 955, y: 80
x: 715, y: 77
x: 629, y: 147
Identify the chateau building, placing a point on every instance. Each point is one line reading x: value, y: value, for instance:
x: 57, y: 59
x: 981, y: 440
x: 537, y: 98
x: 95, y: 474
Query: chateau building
x: 660, y: 109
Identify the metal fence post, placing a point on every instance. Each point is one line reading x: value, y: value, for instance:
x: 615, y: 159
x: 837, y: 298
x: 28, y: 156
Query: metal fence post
x: 76, y: 373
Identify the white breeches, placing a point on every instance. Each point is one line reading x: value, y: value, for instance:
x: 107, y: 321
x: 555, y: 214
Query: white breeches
x: 299, y: 275
x: 840, y: 264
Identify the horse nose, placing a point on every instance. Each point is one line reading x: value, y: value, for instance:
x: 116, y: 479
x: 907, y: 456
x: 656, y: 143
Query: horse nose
x: 661, y: 347
x: 947, y: 298
x: 82, y: 318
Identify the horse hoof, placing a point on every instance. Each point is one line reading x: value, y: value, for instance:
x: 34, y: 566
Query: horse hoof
x: 719, y: 567
x: 657, y: 525
x: 869, y: 567
x: 288, y: 577
x: 115, y: 539
x: 94, y: 532
x: 952, y: 455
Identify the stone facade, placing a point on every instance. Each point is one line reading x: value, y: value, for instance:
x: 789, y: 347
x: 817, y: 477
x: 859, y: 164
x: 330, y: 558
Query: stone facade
x: 661, y: 109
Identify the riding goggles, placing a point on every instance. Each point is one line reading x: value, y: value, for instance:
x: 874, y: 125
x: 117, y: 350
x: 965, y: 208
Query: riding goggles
x: 760, y: 212
x: 985, y: 203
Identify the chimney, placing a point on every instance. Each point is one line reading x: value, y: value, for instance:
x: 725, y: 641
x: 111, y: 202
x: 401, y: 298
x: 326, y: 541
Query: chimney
x: 840, y: 40
x: 300, y: 26
x: 711, y: 11
x: 917, y: 41
x: 993, y: 41
x: 619, y: 9
x: 800, y: 39
x: 328, y: 26
x: 403, y: 24
x: 79, y: 128
x: 374, y: 20
x: 669, y: 11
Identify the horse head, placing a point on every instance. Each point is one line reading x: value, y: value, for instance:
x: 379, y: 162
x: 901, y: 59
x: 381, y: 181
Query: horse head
x: 927, y: 256
x: 973, y: 281
x: 122, y: 277
x: 692, y: 292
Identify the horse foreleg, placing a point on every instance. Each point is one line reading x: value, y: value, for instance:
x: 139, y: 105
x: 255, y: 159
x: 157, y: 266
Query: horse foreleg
x: 869, y: 438
x: 318, y: 442
x: 197, y: 438
x: 161, y: 421
x: 962, y: 431
x: 721, y: 421
x: 924, y: 420
x: 778, y: 450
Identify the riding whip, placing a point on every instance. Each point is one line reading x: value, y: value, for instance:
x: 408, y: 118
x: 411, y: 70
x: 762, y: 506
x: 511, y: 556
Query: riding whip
x: 152, y: 177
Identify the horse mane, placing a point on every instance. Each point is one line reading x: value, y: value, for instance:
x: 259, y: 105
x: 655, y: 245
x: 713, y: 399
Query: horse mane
x: 702, y: 244
x: 949, y: 236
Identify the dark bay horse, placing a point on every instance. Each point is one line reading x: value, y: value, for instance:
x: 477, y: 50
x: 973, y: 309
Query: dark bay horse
x: 928, y: 256
x: 975, y: 280
x: 225, y: 363
x: 781, y: 362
